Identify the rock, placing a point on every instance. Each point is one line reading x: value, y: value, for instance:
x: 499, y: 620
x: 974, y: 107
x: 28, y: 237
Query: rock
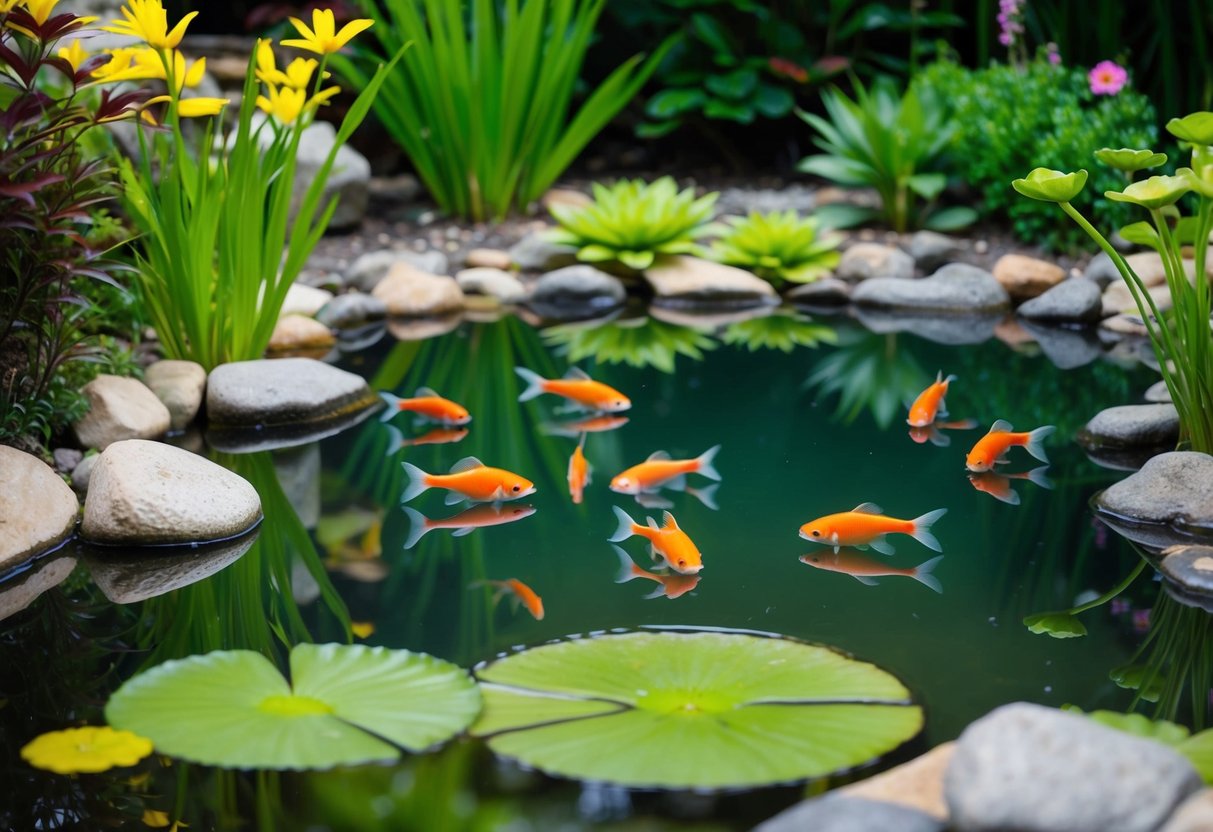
x: 133, y: 575
x: 1101, y: 270
x: 148, y: 493
x: 1065, y: 348
x: 398, y: 190
x: 792, y: 197
x: 488, y: 258
x: 825, y: 291
x: 37, y: 509
x: 536, y: 253
x: 1148, y: 266
x: 1194, y: 815
x: 351, y: 311
x: 419, y: 329
x: 707, y: 320
x: 20, y: 591
x: 1117, y: 298
x: 1076, y: 299
x: 348, y: 180
x: 683, y: 280
x: 945, y: 329
x: 865, y: 260
x: 575, y: 292
x: 957, y: 289
x: 82, y: 472
x: 1174, y: 488
x: 1134, y: 425
x: 1158, y: 392
x: 120, y: 408
x: 409, y: 293
x: 917, y: 784
x: 304, y: 300
x: 494, y: 283
x: 295, y: 334
x: 1125, y: 326
x: 365, y: 337
x: 1026, y: 277
x: 931, y: 250
x: 837, y: 813
x: 284, y: 391
x: 298, y: 471
x: 180, y: 386
x: 566, y: 197
x: 66, y: 459
x: 1034, y: 769
x: 366, y: 272
x: 1190, y: 568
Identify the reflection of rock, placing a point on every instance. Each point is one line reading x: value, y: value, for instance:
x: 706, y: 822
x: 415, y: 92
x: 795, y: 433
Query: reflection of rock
x: 1029, y: 767
x: 143, y: 493
x: 356, y: 340
x: 129, y: 575
x: 418, y: 329
x: 952, y: 329
x: 917, y: 784
x: 956, y: 288
x: 21, y: 590
x: 286, y: 391
x: 351, y: 310
x: 930, y: 249
x: 835, y: 812
x: 683, y: 280
x: 576, y: 292
x: 706, y: 320
x: 1066, y: 348
x: 863, y: 261
x: 1190, y: 569
x: 37, y: 509
x: 180, y: 385
x: 120, y: 408
x: 825, y: 291
x: 298, y: 471
x: 1077, y: 299
x: 1133, y: 426
x: 366, y: 272
x: 1120, y: 459
x: 535, y: 253
x: 1171, y: 490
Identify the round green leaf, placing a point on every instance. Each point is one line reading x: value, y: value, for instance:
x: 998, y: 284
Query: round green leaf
x: 1196, y: 128
x: 1056, y: 624
x: 773, y: 102
x: 1051, y: 185
x: 734, y: 85
x: 1155, y: 192
x: 692, y: 710
x: 674, y: 102
x: 1130, y: 160
x: 730, y: 110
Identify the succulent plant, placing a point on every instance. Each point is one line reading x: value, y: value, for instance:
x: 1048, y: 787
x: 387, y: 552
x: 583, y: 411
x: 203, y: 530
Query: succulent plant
x: 778, y: 246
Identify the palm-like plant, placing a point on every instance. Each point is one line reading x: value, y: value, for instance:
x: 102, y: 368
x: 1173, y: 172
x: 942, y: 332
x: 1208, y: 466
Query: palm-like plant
x: 647, y: 342
x: 778, y: 246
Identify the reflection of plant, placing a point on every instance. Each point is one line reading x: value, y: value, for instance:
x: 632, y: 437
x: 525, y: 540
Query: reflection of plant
x: 645, y: 343
x: 781, y: 330
x: 778, y: 246
x: 633, y: 222
x: 869, y: 372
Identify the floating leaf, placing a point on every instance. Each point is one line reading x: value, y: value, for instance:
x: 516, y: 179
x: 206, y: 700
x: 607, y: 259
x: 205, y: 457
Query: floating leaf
x: 234, y: 709
x: 1057, y: 624
x: 692, y: 710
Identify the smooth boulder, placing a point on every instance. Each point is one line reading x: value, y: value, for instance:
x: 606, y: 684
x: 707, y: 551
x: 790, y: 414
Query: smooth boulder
x: 825, y: 291
x: 1075, y: 300
x: 692, y: 281
x: 498, y: 284
x: 1174, y: 488
x: 837, y: 813
x: 956, y: 289
x: 296, y: 333
x: 1134, y: 425
x: 863, y: 261
x: 302, y: 299
x: 411, y: 293
x: 1026, y: 277
x: 348, y: 180
x: 37, y: 508
x: 120, y: 408
x: 536, y: 253
x: 931, y: 250
x: 370, y: 268
x: 352, y: 310
x: 579, y: 291
x: 180, y: 386
x: 284, y: 391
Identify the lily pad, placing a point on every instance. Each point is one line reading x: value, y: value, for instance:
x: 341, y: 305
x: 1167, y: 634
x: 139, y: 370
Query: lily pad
x: 347, y: 705
x: 691, y: 709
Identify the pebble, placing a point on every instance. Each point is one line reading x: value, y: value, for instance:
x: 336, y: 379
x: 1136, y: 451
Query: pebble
x: 536, y: 253
x: 825, y: 291
x: 1076, y: 299
x: 1117, y: 299
x: 410, y: 293
x: 303, y: 300
x: 565, y: 197
x: 870, y: 260
x: 837, y: 813
x: 66, y: 459
x: 352, y: 310
x: 488, y: 258
x: 693, y: 281
x: 82, y: 473
x: 295, y: 334
x: 956, y: 288
x: 1194, y: 815
x: 495, y: 283
x: 370, y: 268
x: 932, y: 250
x: 180, y: 385
x: 283, y: 391
x: 1174, y: 488
x: 1026, y: 277
x: 120, y: 408
x: 576, y: 292
x: 1133, y: 425
x: 37, y: 509
x: 1158, y: 392
x: 1101, y: 270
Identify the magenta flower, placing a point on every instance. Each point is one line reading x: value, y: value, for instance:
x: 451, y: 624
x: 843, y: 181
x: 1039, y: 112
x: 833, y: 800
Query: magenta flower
x: 1107, y: 78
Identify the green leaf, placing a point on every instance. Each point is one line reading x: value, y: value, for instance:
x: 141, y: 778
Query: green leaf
x: 655, y: 130
x: 773, y: 102
x: 927, y: 185
x: 712, y: 32
x: 1139, y: 725
x: 729, y: 111
x: 1055, y: 624
x: 1142, y: 234
x: 951, y: 219
x: 1198, y: 748
x: 668, y: 103
x: 844, y: 215
x: 735, y: 85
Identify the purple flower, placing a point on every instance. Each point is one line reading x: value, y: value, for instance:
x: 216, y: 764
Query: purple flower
x: 1120, y: 606
x: 1107, y: 78
x: 1141, y: 620
x: 1053, y: 54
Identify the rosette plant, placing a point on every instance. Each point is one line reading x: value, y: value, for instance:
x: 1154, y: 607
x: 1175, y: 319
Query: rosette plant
x: 778, y: 246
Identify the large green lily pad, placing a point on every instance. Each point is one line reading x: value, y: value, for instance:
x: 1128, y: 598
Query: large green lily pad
x: 691, y: 709
x: 345, y: 705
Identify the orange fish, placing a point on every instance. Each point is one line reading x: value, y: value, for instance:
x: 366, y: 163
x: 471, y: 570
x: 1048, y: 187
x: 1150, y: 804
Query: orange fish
x: 866, y: 571
x: 522, y: 593
x: 659, y: 470
x: 998, y: 486
x: 670, y: 586
x: 591, y: 424
x: 991, y: 449
x: 579, y: 472
x: 930, y: 403
x: 435, y: 436
x: 669, y: 541
x: 866, y: 525
x: 932, y: 433
x: 470, y: 479
x: 428, y: 405
x: 466, y: 521
x: 576, y: 386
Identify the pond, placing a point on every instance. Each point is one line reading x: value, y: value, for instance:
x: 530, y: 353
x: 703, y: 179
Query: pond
x: 817, y: 429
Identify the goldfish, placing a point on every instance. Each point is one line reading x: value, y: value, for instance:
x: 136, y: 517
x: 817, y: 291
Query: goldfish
x: 428, y: 405
x: 470, y: 479
x: 592, y: 424
x: 436, y: 436
x: 998, y: 486
x: 992, y: 448
x: 866, y: 525
x: 577, y: 387
x: 466, y: 521
x: 522, y: 593
x: 932, y: 433
x: 669, y: 541
x: 866, y: 571
x: 705, y: 495
x: 659, y: 470
x: 670, y: 586
x: 930, y: 402
x: 579, y: 472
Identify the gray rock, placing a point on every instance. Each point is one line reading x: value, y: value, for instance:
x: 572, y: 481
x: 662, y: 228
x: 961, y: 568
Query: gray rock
x: 148, y: 493
x: 351, y: 311
x: 348, y: 180
x: 120, y: 408
x: 409, y: 293
x: 493, y: 283
x: 1158, y: 393
x: 948, y: 329
x: 836, y: 813
x: 37, y: 509
x: 82, y: 472
x: 1174, y: 488
x: 356, y: 340
x: 691, y: 281
x: 1190, y: 567
x: 1101, y: 270
x: 956, y: 288
x: 298, y: 471
x: 366, y: 272
x: 302, y: 299
x: 1034, y: 769
x: 66, y: 459
x: 1065, y: 348
x: 576, y: 292
x: 179, y: 385
x: 741, y: 201
x: 536, y: 253
x: 931, y: 250
x: 1076, y: 299
x: 1194, y: 815
x: 1134, y: 425
x: 20, y: 591
x: 127, y: 576
x: 825, y: 291
x: 284, y: 391
x: 874, y: 260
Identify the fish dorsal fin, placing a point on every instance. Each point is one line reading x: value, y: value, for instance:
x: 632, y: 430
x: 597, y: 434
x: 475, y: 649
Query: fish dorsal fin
x: 577, y: 374
x: 939, y: 376
x: 658, y: 456
x: 426, y: 393
x: 466, y: 464
x: 651, y: 522
x: 668, y: 520
x: 868, y: 508
x: 1001, y: 426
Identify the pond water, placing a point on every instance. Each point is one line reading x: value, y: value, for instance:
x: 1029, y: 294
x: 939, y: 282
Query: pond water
x: 803, y: 433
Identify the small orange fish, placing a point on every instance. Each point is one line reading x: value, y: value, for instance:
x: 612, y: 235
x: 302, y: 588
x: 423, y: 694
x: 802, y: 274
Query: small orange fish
x: 429, y: 405
x: 992, y: 448
x: 866, y: 571
x: 659, y: 470
x: 576, y: 386
x: 579, y: 472
x: 435, y: 436
x: 470, y: 479
x: 522, y: 593
x: 669, y: 586
x: 932, y: 432
x: 669, y: 541
x: 998, y: 486
x: 866, y: 525
x: 591, y: 424
x: 466, y: 521
x: 930, y: 403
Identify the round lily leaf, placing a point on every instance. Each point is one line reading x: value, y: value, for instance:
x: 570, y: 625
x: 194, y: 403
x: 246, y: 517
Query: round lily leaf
x: 692, y: 710
x: 234, y: 709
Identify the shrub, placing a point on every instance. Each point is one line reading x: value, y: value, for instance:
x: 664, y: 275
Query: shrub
x: 778, y: 246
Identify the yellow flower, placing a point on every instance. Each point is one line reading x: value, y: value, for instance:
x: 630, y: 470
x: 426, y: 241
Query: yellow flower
x: 136, y: 63
x: 286, y: 103
x: 88, y: 749
x: 41, y: 10
x: 362, y: 629
x: 7, y: 5
x: 194, y: 107
x: 323, y: 38
x: 298, y: 74
x: 74, y: 55
x: 159, y: 820
x: 147, y: 20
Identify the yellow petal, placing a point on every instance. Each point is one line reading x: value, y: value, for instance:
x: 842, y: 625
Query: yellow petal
x: 174, y: 37
x: 325, y: 24
x: 195, y: 107
x: 349, y: 31
x: 194, y: 76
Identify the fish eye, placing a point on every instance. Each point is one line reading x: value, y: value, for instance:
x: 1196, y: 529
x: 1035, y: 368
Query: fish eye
x: 682, y: 562
x: 816, y: 534
x: 517, y: 487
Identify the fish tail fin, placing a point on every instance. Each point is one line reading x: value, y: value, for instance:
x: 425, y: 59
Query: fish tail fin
x: 393, y: 405
x: 707, y: 465
x: 534, y: 380
x: 1036, y: 442
x: 922, y: 529
x: 627, y: 568
x: 924, y: 574
x: 951, y: 377
x: 417, y: 527
x: 624, y: 531
x: 707, y: 496
x: 416, y: 484
x: 1040, y: 476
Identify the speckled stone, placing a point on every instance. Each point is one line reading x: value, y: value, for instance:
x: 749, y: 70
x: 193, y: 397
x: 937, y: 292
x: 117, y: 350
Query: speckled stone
x: 37, y: 509
x: 1134, y: 425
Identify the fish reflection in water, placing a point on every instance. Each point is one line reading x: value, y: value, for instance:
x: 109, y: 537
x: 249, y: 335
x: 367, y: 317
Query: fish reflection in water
x: 669, y: 585
x: 932, y: 432
x: 592, y: 424
x: 519, y: 593
x: 466, y: 521
x: 579, y: 472
x: 866, y: 570
x: 435, y: 436
x: 998, y: 485
x: 654, y: 500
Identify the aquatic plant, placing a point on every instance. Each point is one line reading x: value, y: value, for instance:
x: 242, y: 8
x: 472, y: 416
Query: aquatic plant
x: 1065, y: 623
x: 782, y: 330
x: 221, y: 242
x: 481, y: 101
x: 778, y: 246
x: 890, y: 142
x: 1198, y: 748
x: 632, y: 222
x: 869, y: 372
x: 646, y: 342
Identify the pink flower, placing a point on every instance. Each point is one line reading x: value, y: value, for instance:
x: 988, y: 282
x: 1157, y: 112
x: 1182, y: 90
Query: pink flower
x: 1053, y: 54
x: 1107, y: 78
